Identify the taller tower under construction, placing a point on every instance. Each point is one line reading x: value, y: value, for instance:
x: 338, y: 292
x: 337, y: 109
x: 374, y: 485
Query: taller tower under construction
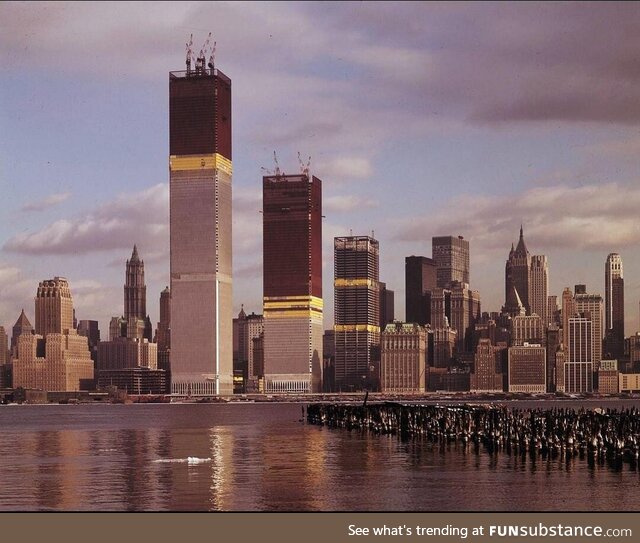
x: 200, y: 229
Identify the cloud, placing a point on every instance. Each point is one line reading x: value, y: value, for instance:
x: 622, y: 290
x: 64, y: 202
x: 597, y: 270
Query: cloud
x: 590, y: 217
x: 341, y: 168
x: 140, y: 217
x: 344, y: 203
x: 49, y: 201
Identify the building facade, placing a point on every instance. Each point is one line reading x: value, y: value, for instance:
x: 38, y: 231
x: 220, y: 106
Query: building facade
x: 200, y: 171
x: 292, y: 283
x: 527, y: 369
x: 539, y: 280
x: 403, y: 358
x: 420, y: 279
x: 579, y: 366
x: 486, y: 376
x: 592, y: 304
x: 614, y: 305
x: 451, y: 256
x: 527, y: 329
x: 517, y: 278
x: 60, y: 359
x: 356, y: 307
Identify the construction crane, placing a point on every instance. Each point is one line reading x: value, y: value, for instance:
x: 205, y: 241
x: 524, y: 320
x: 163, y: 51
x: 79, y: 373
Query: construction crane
x: 304, y: 168
x: 212, y: 58
x: 275, y: 159
x: 189, y: 45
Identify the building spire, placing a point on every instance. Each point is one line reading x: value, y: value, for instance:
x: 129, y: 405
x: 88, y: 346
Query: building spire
x: 134, y: 254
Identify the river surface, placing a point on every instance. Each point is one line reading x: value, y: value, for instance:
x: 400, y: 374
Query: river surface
x: 261, y: 457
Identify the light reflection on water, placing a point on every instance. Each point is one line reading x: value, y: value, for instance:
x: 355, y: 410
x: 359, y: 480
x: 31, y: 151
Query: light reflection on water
x: 257, y: 457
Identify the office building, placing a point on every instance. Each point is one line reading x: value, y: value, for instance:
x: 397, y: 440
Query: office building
x: 527, y: 369
x: 518, y: 278
x: 54, y: 307
x: 293, y: 306
x: 163, y: 333
x: 200, y: 171
x: 90, y: 330
x: 59, y: 359
x: 527, y: 329
x: 356, y: 307
x: 568, y: 311
x: 539, y: 281
x: 592, y: 304
x: 608, y: 381
x: 22, y: 326
x: 579, y: 365
x: 451, y: 257
x: 486, y: 376
x: 387, y: 309
x: 420, y: 279
x: 553, y: 343
x: 614, y: 306
x: 4, y: 347
x: 553, y: 311
x: 459, y: 308
x: 403, y: 358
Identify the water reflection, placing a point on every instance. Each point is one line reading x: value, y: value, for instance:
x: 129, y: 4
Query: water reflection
x: 257, y: 457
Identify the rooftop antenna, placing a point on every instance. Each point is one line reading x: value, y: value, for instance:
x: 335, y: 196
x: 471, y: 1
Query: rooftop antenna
x: 266, y: 170
x: 212, y: 58
x: 275, y: 159
x: 304, y: 169
x: 189, y: 54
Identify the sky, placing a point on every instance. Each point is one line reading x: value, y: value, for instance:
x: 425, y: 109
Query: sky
x: 421, y: 119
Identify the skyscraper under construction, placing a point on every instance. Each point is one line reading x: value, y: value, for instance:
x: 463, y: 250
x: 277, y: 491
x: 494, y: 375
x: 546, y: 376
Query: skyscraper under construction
x: 356, y: 311
x: 292, y: 241
x: 200, y: 229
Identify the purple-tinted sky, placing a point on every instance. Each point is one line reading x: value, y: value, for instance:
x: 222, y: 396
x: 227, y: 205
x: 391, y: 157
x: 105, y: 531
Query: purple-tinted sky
x: 421, y: 120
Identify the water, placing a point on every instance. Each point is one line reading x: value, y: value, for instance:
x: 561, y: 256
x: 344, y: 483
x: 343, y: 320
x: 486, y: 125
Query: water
x: 254, y: 457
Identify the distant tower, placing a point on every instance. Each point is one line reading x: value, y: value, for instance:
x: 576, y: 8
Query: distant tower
x: 517, y: 276
x: 539, y: 279
x: 579, y: 365
x: 592, y: 304
x: 22, y: 326
x: 356, y: 307
x: 200, y: 171
x: 163, y: 332
x: 135, y: 291
x: 451, y: 256
x: 54, y: 307
x: 292, y: 289
x: 420, y: 280
x: 568, y: 311
x: 614, y: 306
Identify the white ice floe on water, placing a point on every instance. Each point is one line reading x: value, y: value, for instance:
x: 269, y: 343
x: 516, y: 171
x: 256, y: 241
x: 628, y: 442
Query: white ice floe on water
x: 190, y: 460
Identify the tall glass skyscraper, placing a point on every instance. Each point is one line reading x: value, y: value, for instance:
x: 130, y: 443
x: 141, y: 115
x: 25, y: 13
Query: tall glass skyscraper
x: 614, y: 306
x: 200, y: 231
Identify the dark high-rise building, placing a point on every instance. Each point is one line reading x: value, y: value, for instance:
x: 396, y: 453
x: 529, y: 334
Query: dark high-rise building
x: 292, y: 245
x: 518, y: 279
x: 91, y: 331
x: 163, y: 332
x: 420, y: 279
x: 200, y: 230
x: 135, y: 291
x: 4, y: 347
x: 387, y: 308
x: 451, y: 256
x: 356, y: 307
x: 614, y: 306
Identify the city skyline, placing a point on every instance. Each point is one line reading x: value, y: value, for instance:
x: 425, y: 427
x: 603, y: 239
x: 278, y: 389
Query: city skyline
x: 86, y: 174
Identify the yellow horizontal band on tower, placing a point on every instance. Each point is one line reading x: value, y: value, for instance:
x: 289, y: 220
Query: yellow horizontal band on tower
x: 353, y: 283
x: 356, y: 328
x: 200, y: 162
x: 290, y: 314
x: 292, y: 302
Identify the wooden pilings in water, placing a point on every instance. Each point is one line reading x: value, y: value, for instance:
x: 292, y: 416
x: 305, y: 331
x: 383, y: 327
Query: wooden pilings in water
x: 599, y: 434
